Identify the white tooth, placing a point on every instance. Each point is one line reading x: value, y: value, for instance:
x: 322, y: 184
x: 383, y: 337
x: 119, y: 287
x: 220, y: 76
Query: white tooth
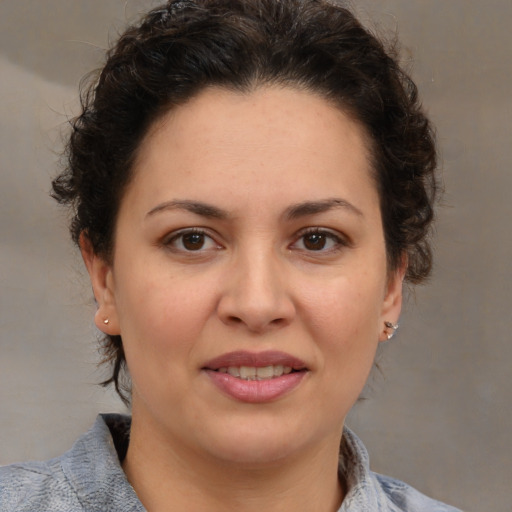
x: 248, y: 372
x: 278, y: 370
x: 265, y: 372
x: 223, y: 370
x: 234, y: 371
x: 287, y: 369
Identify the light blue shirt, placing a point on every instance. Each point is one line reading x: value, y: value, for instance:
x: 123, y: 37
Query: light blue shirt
x: 89, y: 478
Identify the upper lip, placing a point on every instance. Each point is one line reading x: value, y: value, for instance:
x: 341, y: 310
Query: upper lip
x: 254, y: 359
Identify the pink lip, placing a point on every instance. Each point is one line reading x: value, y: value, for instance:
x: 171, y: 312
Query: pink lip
x: 256, y: 359
x: 255, y: 391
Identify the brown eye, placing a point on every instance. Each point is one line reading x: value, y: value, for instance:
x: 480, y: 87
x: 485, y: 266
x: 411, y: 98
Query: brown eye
x: 320, y: 240
x: 315, y: 241
x: 193, y: 241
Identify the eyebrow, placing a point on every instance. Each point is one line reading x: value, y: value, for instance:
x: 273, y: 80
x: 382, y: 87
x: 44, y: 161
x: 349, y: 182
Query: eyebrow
x: 197, y: 207
x: 292, y: 212
x: 314, y: 207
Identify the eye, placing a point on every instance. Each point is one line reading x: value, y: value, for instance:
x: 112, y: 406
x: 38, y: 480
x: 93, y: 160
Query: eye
x: 319, y: 240
x: 191, y: 240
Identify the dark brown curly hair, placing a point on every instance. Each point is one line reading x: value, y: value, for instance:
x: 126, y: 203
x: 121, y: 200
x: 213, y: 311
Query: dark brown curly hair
x: 182, y: 47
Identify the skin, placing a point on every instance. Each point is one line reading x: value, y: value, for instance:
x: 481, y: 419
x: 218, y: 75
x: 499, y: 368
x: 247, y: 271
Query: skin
x: 257, y: 283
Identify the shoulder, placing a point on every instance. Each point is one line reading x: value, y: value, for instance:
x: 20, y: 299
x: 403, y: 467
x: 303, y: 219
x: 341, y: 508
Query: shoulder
x: 371, y: 492
x: 89, y: 477
x: 36, y: 486
x: 403, y: 497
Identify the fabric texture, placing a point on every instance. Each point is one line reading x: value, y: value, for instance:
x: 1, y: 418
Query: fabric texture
x: 89, y: 478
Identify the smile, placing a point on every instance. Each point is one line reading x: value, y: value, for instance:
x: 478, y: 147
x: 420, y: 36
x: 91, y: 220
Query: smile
x: 256, y: 373
x: 256, y: 377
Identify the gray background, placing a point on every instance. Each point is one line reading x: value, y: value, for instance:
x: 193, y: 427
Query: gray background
x: 438, y: 415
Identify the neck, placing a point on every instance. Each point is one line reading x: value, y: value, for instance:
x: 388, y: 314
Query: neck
x: 167, y: 475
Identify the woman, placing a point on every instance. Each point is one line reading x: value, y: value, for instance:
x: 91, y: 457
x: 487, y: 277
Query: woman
x: 251, y: 182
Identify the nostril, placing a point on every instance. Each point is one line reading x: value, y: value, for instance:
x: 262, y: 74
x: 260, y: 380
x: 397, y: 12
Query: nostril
x: 257, y: 310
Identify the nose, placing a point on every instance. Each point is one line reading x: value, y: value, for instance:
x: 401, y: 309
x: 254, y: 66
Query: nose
x: 256, y: 294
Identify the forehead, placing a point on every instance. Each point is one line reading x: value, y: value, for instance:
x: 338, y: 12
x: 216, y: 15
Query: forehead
x: 268, y: 109
x: 292, y: 139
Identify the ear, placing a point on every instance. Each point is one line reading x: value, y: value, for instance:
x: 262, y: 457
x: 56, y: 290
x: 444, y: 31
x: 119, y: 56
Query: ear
x: 102, y: 280
x: 392, y: 304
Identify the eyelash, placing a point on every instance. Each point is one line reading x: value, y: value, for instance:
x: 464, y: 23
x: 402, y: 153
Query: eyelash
x: 338, y: 240
x: 324, y: 235
x: 171, y: 240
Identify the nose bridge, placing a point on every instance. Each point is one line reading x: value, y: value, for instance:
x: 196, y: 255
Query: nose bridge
x: 259, y: 269
x: 256, y: 292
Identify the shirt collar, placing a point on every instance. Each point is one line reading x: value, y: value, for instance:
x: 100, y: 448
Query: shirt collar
x: 362, y: 489
x: 93, y: 468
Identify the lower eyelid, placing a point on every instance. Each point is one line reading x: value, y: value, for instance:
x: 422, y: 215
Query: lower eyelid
x: 171, y: 239
x: 336, y: 241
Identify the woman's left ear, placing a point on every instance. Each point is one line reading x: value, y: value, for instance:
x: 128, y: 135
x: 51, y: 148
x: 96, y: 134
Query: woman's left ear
x: 102, y: 280
x: 392, y: 304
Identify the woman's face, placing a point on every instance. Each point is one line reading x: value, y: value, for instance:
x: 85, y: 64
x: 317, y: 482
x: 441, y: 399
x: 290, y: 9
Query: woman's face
x: 249, y: 280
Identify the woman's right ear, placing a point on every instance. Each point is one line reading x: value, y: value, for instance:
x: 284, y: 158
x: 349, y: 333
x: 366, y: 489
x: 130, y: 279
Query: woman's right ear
x: 102, y: 280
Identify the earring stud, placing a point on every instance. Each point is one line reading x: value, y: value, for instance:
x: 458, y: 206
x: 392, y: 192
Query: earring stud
x: 390, y: 325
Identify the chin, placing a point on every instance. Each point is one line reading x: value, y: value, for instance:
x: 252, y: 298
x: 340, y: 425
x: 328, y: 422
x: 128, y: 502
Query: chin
x: 256, y: 445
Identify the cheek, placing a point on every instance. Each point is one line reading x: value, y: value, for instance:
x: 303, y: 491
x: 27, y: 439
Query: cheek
x: 161, y: 322
x: 344, y: 309
x: 160, y: 318
x: 345, y: 333
x: 343, y: 319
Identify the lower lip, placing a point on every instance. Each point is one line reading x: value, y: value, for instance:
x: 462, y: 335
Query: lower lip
x: 256, y: 391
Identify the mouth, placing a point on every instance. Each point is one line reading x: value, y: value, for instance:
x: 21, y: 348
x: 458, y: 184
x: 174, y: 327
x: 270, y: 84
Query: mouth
x: 255, y: 365
x: 256, y: 377
x: 257, y: 373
